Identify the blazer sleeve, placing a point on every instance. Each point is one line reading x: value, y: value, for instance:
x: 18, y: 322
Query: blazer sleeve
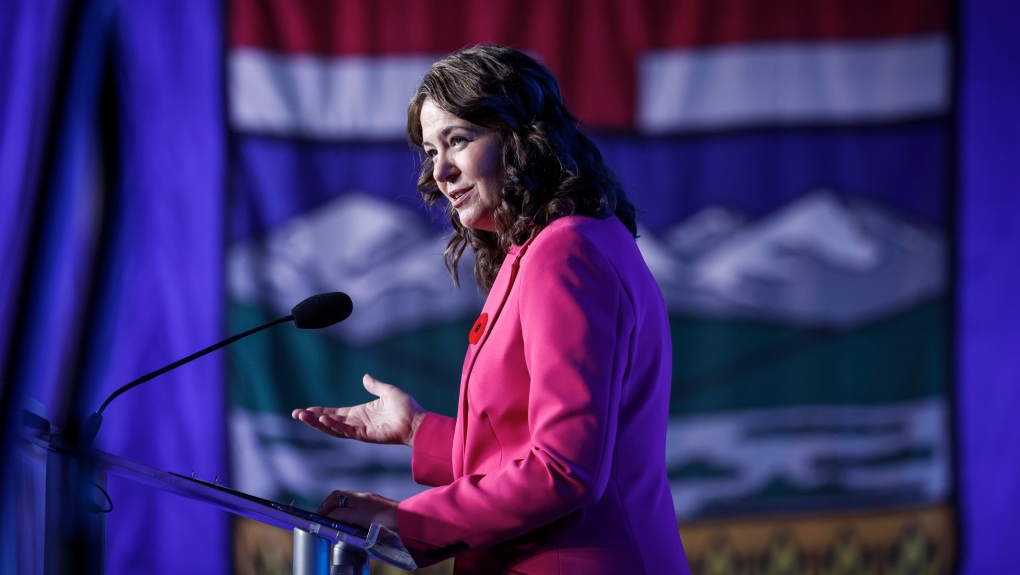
x: 432, y: 455
x: 576, y: 324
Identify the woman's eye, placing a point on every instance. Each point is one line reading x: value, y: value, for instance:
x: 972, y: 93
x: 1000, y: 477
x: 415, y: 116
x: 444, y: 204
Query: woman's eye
x: 457, y: 140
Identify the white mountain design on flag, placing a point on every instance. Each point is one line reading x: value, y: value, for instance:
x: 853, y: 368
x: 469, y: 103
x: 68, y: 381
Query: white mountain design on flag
x: 821, y: 260
x: 379, y: 253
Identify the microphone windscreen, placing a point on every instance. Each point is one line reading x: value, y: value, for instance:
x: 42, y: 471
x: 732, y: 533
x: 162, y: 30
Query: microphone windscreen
x: 322, y: 310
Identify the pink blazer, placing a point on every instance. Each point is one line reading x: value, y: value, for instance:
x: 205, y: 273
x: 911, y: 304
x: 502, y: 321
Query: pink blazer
x: 556, y: 460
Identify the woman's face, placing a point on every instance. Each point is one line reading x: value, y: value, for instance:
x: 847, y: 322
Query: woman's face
x: 465, y: 164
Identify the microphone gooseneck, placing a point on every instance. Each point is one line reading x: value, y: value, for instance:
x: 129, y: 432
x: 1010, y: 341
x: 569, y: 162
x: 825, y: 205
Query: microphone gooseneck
x: 315, y: 312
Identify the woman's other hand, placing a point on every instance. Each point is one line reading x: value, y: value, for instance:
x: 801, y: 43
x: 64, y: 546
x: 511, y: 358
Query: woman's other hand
x: 392, y: 418
x: 360, y: 508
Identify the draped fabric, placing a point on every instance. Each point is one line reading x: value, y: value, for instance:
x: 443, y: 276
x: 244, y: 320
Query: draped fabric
x: 826, y: 190
x: 113, y: 261
x: 988, y: 315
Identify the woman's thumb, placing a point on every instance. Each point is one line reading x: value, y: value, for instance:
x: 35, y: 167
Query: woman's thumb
x: 371, y: 384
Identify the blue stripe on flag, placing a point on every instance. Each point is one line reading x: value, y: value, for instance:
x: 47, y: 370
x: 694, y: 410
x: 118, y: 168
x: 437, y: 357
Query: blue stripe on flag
x: 275, y: 179
x: 671, y: 178
x: 668, y: 178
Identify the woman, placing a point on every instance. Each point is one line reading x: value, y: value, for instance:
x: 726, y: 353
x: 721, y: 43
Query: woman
x: 555, y: 461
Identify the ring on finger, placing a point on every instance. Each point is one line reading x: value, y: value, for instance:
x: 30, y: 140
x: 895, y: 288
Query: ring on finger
x: 343, y: 501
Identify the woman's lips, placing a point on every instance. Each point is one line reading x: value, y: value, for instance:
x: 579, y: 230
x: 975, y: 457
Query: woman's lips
x: 459, y: 197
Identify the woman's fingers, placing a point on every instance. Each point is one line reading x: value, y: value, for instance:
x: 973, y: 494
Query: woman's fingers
x: 338, y: 425
x: 332, y: 501
x: 359, y: 508
x: 319, y: 411
x: 325, y: 423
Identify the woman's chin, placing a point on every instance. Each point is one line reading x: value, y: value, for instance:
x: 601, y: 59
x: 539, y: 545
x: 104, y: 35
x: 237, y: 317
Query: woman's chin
x: 473, y: 222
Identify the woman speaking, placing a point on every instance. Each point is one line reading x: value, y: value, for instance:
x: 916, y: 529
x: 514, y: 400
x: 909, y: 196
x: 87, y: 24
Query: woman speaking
x: 555, y: 462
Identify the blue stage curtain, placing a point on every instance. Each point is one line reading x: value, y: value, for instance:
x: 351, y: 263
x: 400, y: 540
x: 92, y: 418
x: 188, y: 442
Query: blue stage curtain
x: 164, y: 296
x: 125, y: 247
x: 27, y: 30
x: 989, y: 315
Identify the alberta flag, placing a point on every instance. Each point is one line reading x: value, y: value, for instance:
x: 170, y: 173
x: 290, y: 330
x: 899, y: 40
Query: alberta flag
x: 790, y: 162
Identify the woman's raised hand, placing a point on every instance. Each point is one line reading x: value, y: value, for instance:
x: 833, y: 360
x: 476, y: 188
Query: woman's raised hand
x: 393, y: 417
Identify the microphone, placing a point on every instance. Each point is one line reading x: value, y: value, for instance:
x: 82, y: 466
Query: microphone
x: 315, y: 312
x: 321, y: 310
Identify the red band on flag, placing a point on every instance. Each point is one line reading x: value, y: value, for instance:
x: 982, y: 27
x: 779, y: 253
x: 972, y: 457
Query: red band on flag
x: 596, y: 63
x: 370, y: 27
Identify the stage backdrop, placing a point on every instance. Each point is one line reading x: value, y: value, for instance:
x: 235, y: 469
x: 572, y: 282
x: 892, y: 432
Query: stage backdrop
x: 791, y: 162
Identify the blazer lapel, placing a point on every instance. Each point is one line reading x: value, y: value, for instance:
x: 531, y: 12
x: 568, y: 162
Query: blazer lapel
x: 477, y: 336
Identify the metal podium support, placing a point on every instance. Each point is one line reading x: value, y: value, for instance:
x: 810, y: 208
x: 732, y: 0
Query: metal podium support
x: 347, y: 561
x: 313, y: 555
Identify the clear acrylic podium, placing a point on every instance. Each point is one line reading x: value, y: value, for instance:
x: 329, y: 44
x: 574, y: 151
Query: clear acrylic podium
x: 322, y: 546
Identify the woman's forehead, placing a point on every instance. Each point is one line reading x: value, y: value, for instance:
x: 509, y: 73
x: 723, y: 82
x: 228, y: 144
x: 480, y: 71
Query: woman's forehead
x: 437, y: 122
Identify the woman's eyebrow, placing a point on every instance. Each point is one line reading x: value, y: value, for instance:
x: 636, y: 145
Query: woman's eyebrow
x: 449, y: 128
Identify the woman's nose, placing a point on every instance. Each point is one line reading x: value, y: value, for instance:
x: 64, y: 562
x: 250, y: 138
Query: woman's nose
x: 443, y: 168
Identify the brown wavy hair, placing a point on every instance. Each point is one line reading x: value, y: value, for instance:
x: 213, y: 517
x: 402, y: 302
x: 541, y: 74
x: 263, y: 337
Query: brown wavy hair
x: 550, y: 168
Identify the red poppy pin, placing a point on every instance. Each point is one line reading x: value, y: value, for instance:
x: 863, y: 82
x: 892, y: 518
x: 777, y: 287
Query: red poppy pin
x: 478, y: 329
